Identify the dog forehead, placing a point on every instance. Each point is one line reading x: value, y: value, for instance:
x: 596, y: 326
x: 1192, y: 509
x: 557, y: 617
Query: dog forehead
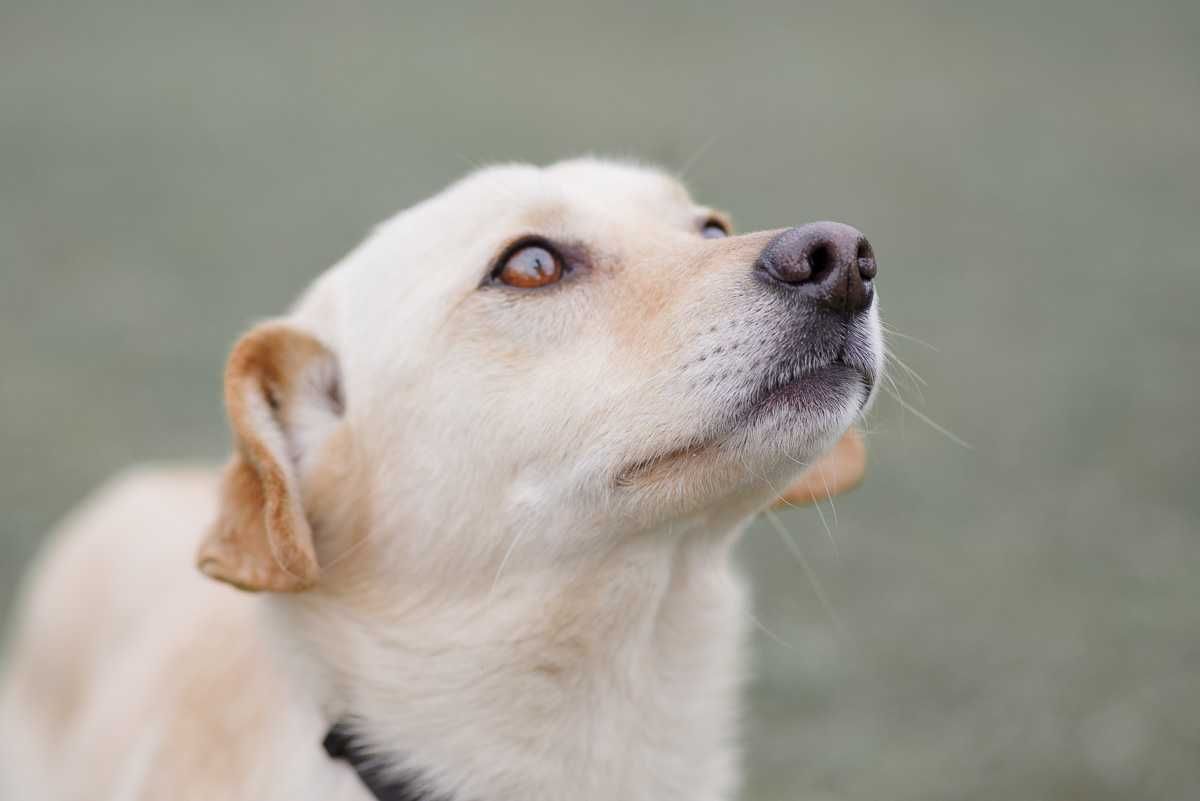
x: 595, y: 179
x: 460, y: 228
x: 573, y: 194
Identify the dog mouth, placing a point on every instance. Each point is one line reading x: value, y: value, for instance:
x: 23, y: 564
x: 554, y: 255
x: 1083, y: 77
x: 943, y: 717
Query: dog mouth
x: 785, y: 392
x: 802, y: 387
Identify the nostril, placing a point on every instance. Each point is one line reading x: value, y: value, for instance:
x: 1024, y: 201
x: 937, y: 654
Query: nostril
x: 864, y: 250
x: 821, y: 259
x: 866, y: 260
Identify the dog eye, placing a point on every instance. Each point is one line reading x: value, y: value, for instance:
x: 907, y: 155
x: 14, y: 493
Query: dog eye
x: 714, y: 229
x: 530, y: 267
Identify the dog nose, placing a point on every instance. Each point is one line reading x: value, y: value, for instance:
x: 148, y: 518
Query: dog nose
x: 829, y: 262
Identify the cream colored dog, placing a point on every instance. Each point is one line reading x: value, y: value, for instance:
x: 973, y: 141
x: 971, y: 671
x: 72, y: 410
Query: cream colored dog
x: 487, y: 476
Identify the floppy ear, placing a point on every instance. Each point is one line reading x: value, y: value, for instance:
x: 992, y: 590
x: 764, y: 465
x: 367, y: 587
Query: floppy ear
x: 283, y: 398
x: 840, y: 470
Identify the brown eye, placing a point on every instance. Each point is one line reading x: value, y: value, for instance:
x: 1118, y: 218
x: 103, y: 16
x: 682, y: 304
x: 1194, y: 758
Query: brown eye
x: 714, y: 229
x: 530, y: 267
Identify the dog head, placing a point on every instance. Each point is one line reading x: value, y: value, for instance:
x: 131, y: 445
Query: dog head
x: 535, y: 362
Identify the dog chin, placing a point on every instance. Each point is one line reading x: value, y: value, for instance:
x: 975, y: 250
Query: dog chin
x: 783, y: 439
x: 768, y: 440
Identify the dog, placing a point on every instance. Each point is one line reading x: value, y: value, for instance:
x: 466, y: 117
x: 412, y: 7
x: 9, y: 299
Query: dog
x: 486, y: 477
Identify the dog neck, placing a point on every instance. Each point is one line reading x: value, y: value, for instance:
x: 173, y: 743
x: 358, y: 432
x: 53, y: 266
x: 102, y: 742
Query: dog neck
x: 615, y: 679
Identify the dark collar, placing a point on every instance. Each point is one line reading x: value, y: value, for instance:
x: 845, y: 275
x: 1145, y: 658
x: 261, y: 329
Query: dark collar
x: 340, y: 744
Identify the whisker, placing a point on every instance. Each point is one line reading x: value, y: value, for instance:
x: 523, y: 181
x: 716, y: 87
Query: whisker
x: 916, y: 388
x: 947, y: 433
x: 891, y: 354
x: 817, y: 504
x: 825, y: 525
x: 895, y: 388
x: 779, y: 495
x: 894, y: 332
x: 511, y: 547
x: 759, y: 624
x: 865, y: 426
x: 828, y: 493
x: 354, y: 548
x: 691, y: 162
x: 818, y: 590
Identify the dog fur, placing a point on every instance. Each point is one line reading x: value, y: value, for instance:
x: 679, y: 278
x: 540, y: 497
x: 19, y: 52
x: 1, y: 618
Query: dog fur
x: 488, y: 527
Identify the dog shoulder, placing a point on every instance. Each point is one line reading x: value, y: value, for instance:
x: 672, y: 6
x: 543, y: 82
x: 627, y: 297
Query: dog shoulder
x: 102, y: 583
x: 132, y: 675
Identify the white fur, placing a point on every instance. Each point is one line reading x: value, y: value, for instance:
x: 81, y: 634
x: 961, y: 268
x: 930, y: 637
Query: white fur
x: 508, y: 615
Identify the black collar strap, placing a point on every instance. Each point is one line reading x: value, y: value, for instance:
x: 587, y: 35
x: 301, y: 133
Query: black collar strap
x: 340, y: 744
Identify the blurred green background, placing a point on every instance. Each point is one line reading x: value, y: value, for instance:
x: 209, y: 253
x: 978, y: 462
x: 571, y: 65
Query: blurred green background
x: 1016, y: 621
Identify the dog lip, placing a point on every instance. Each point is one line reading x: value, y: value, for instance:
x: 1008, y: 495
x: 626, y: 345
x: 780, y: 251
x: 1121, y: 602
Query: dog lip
x: 811, y: 385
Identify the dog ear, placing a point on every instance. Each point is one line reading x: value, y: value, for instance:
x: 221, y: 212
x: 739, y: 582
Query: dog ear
x: 840, y: 470
x: 283, y: 398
